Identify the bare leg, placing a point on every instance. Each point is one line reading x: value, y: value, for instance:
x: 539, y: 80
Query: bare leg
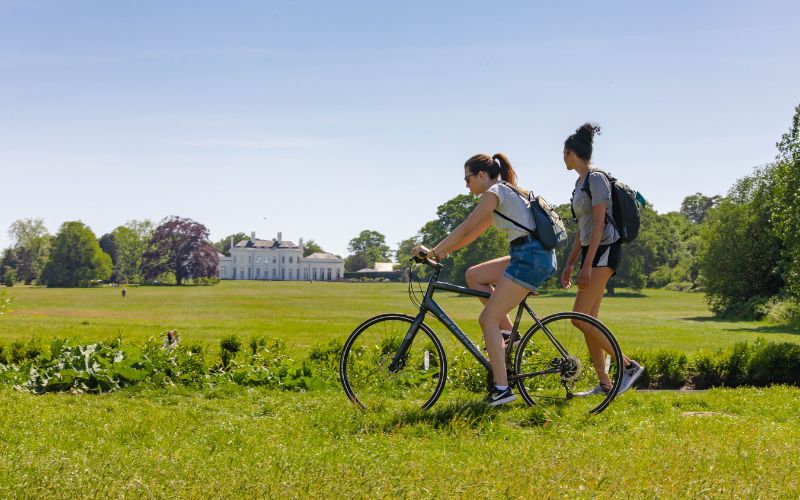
x: 588, y: 302
x: 506, y: 296
x: 484, y: 276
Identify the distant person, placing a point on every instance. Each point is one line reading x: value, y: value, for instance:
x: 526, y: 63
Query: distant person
x: 509, y: 279
x: 124, y: 293
x: 600, y: 248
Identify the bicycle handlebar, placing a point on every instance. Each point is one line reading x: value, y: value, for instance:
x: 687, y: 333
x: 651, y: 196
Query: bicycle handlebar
x: 428, y: 262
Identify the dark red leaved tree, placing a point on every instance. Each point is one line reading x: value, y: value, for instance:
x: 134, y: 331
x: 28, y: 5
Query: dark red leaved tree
x: 180, y: 246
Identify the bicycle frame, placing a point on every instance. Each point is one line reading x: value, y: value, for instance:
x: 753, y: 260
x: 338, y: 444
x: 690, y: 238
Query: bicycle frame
x: 430, y: 306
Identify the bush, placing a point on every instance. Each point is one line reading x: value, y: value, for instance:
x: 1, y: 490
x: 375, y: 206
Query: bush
x: 733, y: 368
x: 230, y: 345
x: 664, y: 369
x: 680, y: 286
x: 326, y: 357
x: 784, y: 311
x: 775, y: 363
x: 706, y: 369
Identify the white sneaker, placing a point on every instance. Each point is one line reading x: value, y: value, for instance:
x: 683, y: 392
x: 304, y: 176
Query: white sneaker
x: 599, y: 390
x: 630, y: 374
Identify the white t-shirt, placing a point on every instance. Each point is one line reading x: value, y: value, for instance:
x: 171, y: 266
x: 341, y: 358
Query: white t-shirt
x: 513, y: 206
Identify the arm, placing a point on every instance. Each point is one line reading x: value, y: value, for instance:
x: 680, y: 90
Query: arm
x: 476, y: 223
x: 566, y: 275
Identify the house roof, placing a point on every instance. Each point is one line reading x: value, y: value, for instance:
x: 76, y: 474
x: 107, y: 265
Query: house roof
x: 322, y: 255
x: 266, y: 244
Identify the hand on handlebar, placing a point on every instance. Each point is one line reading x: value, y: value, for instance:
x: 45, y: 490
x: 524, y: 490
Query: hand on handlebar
x: 420, y: 253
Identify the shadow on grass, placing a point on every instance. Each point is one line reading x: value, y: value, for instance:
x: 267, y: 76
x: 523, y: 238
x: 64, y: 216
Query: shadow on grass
x: 470, y: 414
x: 755, y: 329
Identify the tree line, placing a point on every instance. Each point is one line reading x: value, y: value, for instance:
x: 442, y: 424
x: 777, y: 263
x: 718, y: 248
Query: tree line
x: 175, y: 250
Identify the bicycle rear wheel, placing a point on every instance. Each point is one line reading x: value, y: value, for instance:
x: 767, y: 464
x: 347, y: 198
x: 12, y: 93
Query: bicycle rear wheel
x: 368, y: 380
x: 559, y: 368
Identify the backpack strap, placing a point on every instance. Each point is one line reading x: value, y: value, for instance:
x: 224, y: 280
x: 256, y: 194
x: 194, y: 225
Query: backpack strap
x: 588, y: 191
x: 533, y: 232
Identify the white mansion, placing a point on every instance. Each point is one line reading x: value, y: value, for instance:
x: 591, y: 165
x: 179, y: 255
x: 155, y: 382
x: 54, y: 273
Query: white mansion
x: 278, y: 259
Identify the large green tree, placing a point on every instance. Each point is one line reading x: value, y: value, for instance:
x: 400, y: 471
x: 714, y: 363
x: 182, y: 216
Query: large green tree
x: 76, y: 257
x: 310, y: 247
x: 786, y: 203
x: 30, y: 246
x: 366, y: 249
x: 224, y: 245
x: 132, y: 240
x: 694, y: 207
x: 742, y: 254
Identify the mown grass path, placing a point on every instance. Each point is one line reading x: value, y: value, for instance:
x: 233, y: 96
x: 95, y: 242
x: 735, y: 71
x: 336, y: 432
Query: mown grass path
x: 304, y: 314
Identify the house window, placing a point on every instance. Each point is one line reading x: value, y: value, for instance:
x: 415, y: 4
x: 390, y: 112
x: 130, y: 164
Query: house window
x: 273, y: 260
x: 329, y: 273
x: 290, y: 259
x: 315, y: 273
x: 298, y: 274
x: 283, y: 259
x: 305, y: 274
x: 258, y: 273
x: 283, y: 274
x: 224, y: 272
x: 274, y: 271
x: 338, y: 276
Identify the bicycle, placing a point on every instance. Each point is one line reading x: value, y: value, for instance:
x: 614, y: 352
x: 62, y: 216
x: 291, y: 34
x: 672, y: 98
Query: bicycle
x: 397, y: 356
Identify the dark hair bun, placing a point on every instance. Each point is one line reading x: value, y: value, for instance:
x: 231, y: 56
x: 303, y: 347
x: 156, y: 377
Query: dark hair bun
x: 586, y: 132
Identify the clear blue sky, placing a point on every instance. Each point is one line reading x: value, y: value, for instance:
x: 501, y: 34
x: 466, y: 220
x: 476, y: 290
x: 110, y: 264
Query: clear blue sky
x: 327, y: 118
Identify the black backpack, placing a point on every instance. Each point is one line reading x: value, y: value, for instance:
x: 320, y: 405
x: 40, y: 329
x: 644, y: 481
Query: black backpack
x: 626, y: 205
x: 550, y: 230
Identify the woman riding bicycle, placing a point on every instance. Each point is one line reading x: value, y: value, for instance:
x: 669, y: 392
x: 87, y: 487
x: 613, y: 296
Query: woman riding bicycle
x: 510, y: 279
x: 600, y: 250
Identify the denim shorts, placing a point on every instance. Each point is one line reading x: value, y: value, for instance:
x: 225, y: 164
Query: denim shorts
x: 530, y: 264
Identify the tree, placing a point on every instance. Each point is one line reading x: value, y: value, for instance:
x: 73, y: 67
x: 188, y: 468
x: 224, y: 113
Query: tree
x: 742, y: 254
x: 695, y: 207
x: 786, y: 202
x: 310, y: 247
x: 76, y: 257
x: 180, y: 246
x: 108, y: 243
x: 224, y: 245
x: 132, y: 240
x: 366, y: 249
x: 30, y: 243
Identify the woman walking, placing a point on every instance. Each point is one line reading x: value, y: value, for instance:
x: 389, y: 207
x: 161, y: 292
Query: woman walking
x: 600, y: 249
x: 509, y: 279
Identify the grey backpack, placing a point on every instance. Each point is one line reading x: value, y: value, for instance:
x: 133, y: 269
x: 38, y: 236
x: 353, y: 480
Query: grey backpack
x: 550, y: 230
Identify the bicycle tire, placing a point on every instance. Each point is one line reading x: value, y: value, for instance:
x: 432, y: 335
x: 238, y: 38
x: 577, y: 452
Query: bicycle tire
x: 363, y: 367
x: 566, y: 377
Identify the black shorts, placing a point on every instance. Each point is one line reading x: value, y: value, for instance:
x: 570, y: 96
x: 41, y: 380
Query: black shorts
x: 606, y: 256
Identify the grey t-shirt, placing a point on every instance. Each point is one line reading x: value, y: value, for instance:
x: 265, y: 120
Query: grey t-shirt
x: 513, y: 206
x: 582, y: 204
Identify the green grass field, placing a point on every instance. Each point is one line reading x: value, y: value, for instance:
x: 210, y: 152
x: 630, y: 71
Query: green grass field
x: 304, y: 314
x: 231, y: 441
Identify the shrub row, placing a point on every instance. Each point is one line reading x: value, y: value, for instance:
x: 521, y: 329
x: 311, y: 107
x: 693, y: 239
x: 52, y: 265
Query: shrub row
x: 758, y: 364
x: 106, y: 366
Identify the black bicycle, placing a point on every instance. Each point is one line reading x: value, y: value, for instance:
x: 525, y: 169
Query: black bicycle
x: 398, y: 357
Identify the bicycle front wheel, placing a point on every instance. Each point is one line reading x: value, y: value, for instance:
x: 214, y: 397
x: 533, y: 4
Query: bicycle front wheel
x: 566, y: 361
x: 375, y: 377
